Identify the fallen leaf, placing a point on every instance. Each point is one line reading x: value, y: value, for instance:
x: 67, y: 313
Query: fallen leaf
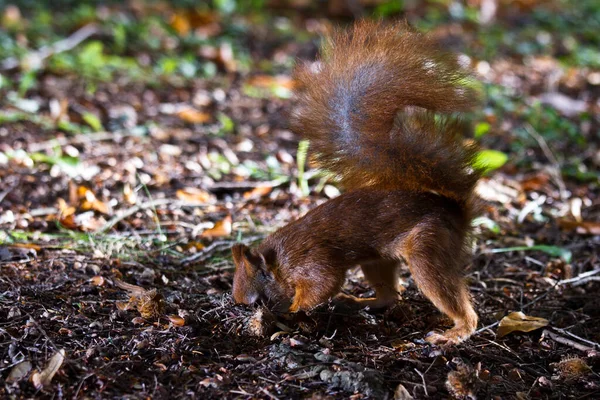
x: 180, y: 23
x: 258, y: 192
x: 18, y: 372
x: 30, y: 246
x: 535, y: 182
x: 97, y: 280
x: 176, y: 320
x: 90, y: 202
x: 43, y: 378
x: 582, y: 228
x: 221, y: 228
x: 193, y: 116
x: 194, y: 195
x: 269, y: 81
x: 64, y: 210
x: 401, y: 393
x: 129, y: 194
x: 517, y: 321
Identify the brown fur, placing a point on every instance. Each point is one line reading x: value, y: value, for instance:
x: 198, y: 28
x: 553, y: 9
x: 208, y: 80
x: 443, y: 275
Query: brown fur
x: 368, y: 111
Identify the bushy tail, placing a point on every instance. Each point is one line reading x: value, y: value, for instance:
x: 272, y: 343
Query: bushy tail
x: 370, y: 108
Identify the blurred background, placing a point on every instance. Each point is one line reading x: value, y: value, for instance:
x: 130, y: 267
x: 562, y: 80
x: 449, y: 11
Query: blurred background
x: 190, y: 98
x: 140, y: 139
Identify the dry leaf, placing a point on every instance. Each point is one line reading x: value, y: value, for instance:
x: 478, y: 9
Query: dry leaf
x: 41, y: 379
x: 97, y: 280
x: 582, y: 228
x: 31, y: 246
x: 176, y: 320
x: 64, y: 210
x: 18, y: 372
x: 221, y: 228
x: 402, y: 345
x: 534, y: 182
x: 90, y: 202
x: 69, y: 222
x: 268, y: 81
x: 181, y: 24
x: 258, y: 192
x: 129, y: 194
x: 517, y: 321
x: 193, y: 116
x: 194, y: 195
x: 401, y: 393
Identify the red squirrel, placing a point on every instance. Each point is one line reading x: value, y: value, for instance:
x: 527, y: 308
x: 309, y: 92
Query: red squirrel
x: 375, y: 109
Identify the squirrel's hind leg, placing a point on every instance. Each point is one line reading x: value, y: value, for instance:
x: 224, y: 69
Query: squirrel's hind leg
x: 434, y: 262
x: 382, y: 275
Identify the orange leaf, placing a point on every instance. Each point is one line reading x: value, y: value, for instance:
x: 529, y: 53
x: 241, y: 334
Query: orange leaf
x: 258, y: 192
x: 269, y: 81
x: 176, y: 320
x: 193, y: 195
x: 31, y: 246
x: 583, y: 228
x: 69, y: 222
x: 181, y: 23
x: 221, y: 228
x: 193, y: 116
x: 97, y: 280
x: 64, y: 209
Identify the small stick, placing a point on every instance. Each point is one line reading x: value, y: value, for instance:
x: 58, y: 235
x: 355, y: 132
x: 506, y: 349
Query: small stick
x: 62, y: 141
x: 36, y: 57
x: 132, y: 210
x: 564, y: 332
x: 580, y: 279
x: 566, y: 341
x: 552, y: 158
x: 423, y: 379
x: 215, y: 246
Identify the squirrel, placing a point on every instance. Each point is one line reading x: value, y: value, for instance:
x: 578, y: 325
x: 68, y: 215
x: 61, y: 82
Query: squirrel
x: 378, y: 109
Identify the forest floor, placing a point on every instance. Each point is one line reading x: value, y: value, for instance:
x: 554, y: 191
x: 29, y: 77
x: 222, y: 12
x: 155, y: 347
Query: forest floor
x: 131, y: 163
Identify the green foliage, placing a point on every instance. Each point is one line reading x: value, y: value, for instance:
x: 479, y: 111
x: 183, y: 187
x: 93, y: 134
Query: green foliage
x: 489, y: 160
x: 554, y: 251
x: 301, y: 161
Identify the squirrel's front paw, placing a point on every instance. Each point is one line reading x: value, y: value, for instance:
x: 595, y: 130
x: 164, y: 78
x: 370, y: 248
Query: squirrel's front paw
x: 451, y: 337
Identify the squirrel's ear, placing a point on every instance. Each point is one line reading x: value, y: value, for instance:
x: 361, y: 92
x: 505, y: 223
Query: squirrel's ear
x: 244, y: 256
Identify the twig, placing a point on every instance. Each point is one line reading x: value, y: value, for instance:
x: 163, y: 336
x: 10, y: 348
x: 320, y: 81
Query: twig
x: 555, y: 170
x: 92, y: 137
x: 423, y: 379
x: 485, y: 328
x: 577, y: 337
x: 248, y: 185
x: 36, y: 57
x: 130, y: 211
x: 581, y: 278
x: 4, y: 193
x: 566, y: 341
x: 214, y: 247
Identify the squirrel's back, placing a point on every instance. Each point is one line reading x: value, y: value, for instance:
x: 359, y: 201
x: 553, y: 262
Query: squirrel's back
x: 372, y: 108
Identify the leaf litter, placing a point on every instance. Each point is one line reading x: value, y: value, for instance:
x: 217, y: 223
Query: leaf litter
x: 126, y: 175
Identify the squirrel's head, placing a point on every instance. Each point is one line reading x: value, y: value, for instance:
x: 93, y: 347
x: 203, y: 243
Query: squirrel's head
x: 255, y: 278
